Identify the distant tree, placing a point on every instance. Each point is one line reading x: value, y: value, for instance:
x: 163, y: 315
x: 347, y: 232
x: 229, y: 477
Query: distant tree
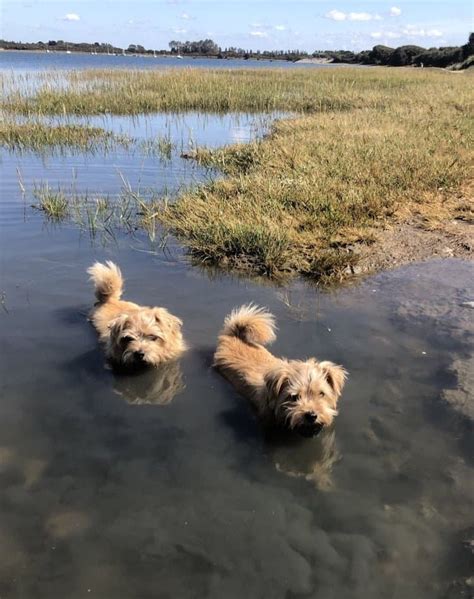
x: 380, y: 54
x: 404, y: 55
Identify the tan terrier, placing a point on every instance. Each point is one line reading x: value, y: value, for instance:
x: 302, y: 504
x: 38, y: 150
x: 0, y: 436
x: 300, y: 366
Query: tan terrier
x: 301, y: 396
x: 134, y: 336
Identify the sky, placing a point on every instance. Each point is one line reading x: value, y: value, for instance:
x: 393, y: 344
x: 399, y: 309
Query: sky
x: 258, y: 24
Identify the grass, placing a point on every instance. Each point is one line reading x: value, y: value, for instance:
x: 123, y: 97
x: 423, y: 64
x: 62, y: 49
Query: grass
x: 39, y: 136
x: 130, y: 210
x: 93, y: 92
x: 365, y: 148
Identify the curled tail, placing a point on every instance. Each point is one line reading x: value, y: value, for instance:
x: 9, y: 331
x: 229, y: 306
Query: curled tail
x: 107, y: 280
x: 250, y: 324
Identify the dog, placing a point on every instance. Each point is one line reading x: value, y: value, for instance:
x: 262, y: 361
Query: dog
x: 293, y: 394
x: 134, y: 336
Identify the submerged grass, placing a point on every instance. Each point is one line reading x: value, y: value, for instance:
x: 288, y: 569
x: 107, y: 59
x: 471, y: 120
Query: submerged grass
x: 367, y: 147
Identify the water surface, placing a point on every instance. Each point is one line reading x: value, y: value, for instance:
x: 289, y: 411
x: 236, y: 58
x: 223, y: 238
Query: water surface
x: 164, y: 485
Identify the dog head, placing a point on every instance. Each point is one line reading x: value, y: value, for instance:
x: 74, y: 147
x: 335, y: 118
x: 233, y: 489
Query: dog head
x: 303, y: 395
x: 145, y: 337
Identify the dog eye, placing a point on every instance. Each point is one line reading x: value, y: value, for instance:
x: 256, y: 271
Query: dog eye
x: 126, y: 339
x: 321, y: 394
x: 294, y: 397
x: 152, y: 337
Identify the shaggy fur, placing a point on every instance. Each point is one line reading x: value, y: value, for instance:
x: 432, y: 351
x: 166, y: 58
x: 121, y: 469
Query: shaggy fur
x: 134, y: 336
x: 298, y: 395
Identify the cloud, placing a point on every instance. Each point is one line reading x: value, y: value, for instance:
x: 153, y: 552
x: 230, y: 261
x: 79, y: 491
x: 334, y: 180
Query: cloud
x: 259, y: 34
x: 280, y: 27
x: 179, y: 30
x: 395, y: 11
x: 185, y: 16
x: 359, y: 16
x: 72, y: 16
x: 338, y: 15
x: 414, y: 31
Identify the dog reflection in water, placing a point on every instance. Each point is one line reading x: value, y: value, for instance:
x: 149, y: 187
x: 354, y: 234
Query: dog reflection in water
x: 311, y: 459
x: 157, y: 386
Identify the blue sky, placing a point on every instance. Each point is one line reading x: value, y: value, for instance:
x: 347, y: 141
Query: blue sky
x: 258, y: 24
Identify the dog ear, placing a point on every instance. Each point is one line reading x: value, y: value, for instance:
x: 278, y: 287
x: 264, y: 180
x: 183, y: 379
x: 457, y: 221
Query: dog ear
x: 162, y: 316
x: 335, y: 376
x: 117, y: 324
x: 276, y: 379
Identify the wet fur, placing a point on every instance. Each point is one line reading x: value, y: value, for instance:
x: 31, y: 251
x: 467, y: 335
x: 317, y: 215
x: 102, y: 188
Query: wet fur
x: 133, y: 336
x: 298, y: 395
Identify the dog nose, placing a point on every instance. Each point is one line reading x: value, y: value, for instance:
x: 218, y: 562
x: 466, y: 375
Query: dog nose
x: 310, y: 417
x: 139, y: 354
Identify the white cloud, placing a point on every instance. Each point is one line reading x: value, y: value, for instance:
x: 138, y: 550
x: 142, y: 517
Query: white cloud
x: 392, y: 35
x: 280, y: 27
x: 395, y: 11
x: 359, y: 16
x: 185, y: 16
x: 259, y: 34
x: 178, y: 30
x: 376, y: 35
x: 72, y: 16
x: 434, y: 33
x: 336, y: 15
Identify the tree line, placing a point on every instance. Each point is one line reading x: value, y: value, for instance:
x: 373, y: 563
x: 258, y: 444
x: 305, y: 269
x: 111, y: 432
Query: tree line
x: 409, y: 55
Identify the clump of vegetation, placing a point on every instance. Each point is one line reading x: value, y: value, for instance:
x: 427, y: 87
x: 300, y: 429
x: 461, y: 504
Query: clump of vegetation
x: 53, y: 203
x: 39, y: 136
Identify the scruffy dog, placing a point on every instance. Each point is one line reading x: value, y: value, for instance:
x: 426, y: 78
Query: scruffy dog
x: 134, y: 336
x: 298, y: 395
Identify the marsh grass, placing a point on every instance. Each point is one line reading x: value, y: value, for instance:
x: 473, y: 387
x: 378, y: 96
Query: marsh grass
x: 53, y: 203
x: 123, y: 92
x: 42, y: 136
x: 129, y: 211
x: 365, y: 148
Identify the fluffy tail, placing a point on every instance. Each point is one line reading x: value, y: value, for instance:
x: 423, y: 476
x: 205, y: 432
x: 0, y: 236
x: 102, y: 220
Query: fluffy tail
x: 250, y: 324
x: 107, y: 280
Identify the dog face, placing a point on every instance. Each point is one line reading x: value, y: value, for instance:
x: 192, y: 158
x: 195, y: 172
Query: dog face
x: 303, y: 395
x: 144, y: 337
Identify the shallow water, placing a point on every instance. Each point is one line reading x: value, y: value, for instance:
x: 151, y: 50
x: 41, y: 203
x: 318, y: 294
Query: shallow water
x: 164, y: 484
x: 38, y: 61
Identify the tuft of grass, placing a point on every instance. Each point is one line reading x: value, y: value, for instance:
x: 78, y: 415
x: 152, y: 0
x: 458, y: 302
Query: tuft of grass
x: 39, y: 136
x: 53, y: 203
